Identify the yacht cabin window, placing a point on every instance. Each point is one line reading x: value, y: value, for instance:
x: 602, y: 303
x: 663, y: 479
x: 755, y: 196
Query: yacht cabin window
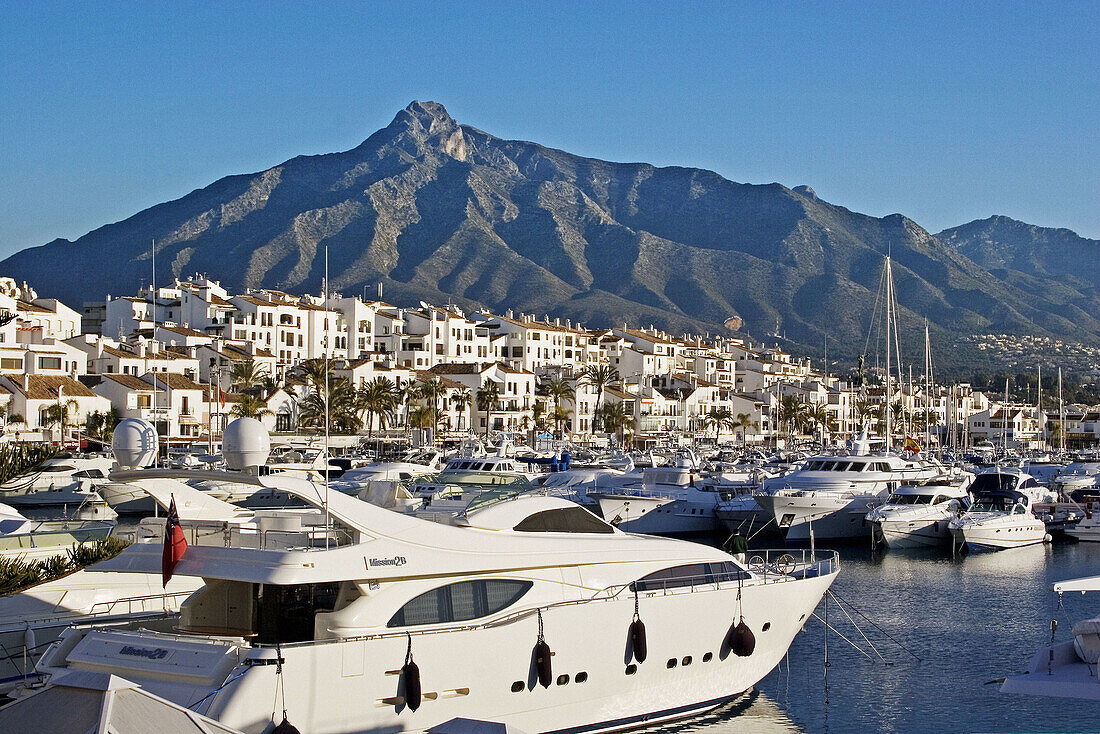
x: 459, y: 602
x: 691, y: 574
x: 563, y: 520
x: 857, y: 466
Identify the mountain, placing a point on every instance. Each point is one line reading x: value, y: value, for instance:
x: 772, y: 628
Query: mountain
x: 1054, y: 264
x: 439, y: 211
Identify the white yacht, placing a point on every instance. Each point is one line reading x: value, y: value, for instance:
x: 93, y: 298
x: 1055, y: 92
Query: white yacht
x: 65, y: 480
x: 413, y: 464
x: 1087, y: 529
x: 831, y: 495
x: 1065, y: 669
x: 1001, y: 516
x: 660, y: 500
x: 1076, y: 479
x: 919, y: 515
x: 522, y: 616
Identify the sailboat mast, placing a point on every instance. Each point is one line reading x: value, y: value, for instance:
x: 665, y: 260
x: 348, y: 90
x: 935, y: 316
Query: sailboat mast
x: 927, y: 384
x: 1039, y: 404
x: 328, y: 399
x: 1004, y: 421
x: 1061, y: 414
x: 888, y: 393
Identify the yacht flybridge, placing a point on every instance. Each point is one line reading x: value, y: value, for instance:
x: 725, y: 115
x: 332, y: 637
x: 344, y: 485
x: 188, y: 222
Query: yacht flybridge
x: 525, y: 611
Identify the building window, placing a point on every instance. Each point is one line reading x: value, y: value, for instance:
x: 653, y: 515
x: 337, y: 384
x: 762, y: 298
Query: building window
x: 49, y: 363
x: 11, y: 363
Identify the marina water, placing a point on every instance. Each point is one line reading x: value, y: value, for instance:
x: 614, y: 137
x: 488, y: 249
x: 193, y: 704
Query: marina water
x: 970, y: 620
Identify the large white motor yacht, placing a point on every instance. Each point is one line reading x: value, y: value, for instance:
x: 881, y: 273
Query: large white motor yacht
x: 1001, y: 516
x: 1077, y: 479
x: 63, y: 480
x: 37, y: 539
x: 919, y: 515
x: 1065, y: 669
x: 523, y: 616
x: 831, y: 495
x: 660, y: 500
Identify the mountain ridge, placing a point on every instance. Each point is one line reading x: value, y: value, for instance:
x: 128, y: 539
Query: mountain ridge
x: 439, y: 211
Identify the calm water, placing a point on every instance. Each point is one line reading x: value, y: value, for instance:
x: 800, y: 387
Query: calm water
x: 970, y: 621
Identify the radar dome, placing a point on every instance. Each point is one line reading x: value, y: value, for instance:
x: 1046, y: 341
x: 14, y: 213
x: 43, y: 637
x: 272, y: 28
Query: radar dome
x: 245, y: 444
x: 135, y: 443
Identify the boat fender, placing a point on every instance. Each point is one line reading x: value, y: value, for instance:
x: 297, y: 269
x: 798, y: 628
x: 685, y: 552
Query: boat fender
x: 637, y: 633
x: 410, y: 676
x: 741, y: 639
x: 542, y: 658
x: 29, y: 643
x: 637, y: 640
x: 285, y: 728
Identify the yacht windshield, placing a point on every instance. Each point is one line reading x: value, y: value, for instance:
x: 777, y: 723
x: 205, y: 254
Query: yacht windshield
x: 991, y: 482
x: 909, y: 499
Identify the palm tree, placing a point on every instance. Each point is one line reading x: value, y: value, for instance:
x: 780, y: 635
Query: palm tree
x: 100, y: 425
x: 432, y: 391
x: 816, y: 414
x: 598, y: 376
x: 538, y: 418
x: 488, y: 395
x: 742, y: 421
x: 57, y: 414
x: 615, y: 418
x: 790, y: 412
x: 379, y: 398
x: 245, y: 374
x: 250, y: 406
x: 407, y: 394
x: 718, y: 418
x: 559, y: 389
x: 340, y: 400
x: 461, y: 399
x: 421, y: 417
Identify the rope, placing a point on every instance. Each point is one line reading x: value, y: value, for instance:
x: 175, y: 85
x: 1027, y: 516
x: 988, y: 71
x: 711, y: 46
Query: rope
x: 409, y: 650
x: 280, y: 691
x: 540, y: 623
x: 865, y: 639
x: 636, y: 615
x: 837, y: 632
x: 870, y: 621
x: 223, y: 685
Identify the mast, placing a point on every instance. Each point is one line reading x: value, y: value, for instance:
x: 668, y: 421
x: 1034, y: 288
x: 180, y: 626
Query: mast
x: 1039, y: 404
x: 1061, y: 414
x: 927, y: 384
x: 328, y: 399
x: 1004, y: 421
x: 889, y: 393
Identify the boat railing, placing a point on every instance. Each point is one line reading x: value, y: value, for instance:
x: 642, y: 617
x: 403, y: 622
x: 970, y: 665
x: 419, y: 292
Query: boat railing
x: 114, y: 606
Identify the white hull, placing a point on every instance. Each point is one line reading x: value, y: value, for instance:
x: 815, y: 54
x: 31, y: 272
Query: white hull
x: 913, y: 534
x: 1000, y: 538
x: 483, y: 671
x: 618, y: 508
x: 830, y: 516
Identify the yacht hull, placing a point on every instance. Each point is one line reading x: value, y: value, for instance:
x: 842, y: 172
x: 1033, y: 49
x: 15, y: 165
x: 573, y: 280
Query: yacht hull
x: 829, y: 517
x: 999, y: 538
x: 481, y: 671
x: 912, y: 533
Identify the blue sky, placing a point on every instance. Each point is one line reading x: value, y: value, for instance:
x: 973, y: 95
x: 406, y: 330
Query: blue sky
x: 943, y: 111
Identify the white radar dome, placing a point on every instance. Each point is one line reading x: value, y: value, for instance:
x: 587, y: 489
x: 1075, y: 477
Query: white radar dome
x: 134, y: 443
x: 245, y: 444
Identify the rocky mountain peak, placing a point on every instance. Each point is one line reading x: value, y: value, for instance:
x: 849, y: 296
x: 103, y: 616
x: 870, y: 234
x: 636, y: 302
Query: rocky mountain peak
x: 429, y: 124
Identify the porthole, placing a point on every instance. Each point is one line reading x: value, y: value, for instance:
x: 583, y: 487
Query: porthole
x: 707, y: 657
x: 686, y: 660
x: 517, y: 686
x: 563, y: 679
x: 580, y: 677
x: 767, y: 626
x: 671, y: 663
x: 631, y: 669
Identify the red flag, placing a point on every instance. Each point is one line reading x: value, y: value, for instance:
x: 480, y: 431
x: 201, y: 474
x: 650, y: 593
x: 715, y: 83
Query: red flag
x: 221, y: 396
x: 175, y: 544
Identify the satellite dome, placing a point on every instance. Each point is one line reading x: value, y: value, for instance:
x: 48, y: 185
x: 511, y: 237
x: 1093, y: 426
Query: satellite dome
x: 245, y: 444
x: 134, y: 443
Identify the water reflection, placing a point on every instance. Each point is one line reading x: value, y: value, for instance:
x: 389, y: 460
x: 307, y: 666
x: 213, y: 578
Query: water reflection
x: 754, y: 712
x: 963, y: 621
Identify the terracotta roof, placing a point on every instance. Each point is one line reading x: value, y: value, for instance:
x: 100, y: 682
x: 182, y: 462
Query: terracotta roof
x: 216, y: 300
x: 512, y: 370
x: 185, y: 331
x: 647, y: 337
x: 129, y: 381
x: 256, y: 301
x: 24, y: 306
x: 44, y: 387
x: 173, y: 380
x: 457, y: 369
x: 449, y: 384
